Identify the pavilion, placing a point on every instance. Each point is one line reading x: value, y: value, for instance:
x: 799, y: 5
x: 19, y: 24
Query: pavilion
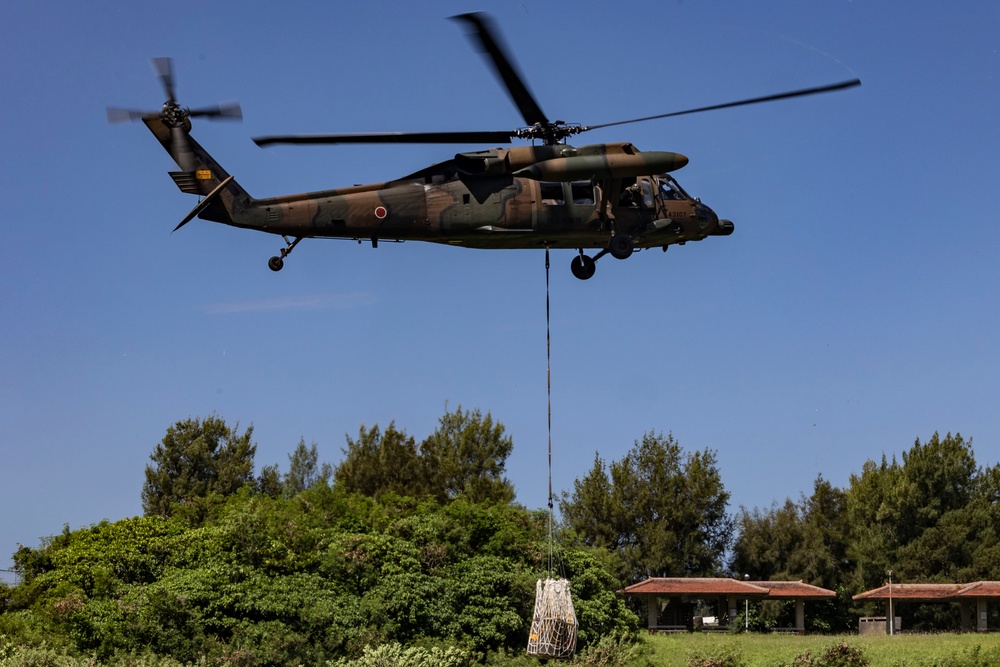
x: 977, y: 594
x: 670, y: 601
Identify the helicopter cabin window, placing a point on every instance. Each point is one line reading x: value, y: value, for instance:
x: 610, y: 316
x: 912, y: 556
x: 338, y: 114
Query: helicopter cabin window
x: 647, y: 192
x: 583, y: 193
x: 552, y: 194
x: 636, y: 193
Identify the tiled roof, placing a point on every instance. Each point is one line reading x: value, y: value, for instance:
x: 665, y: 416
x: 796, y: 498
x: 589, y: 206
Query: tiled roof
x: 698, y: 586
x: 978, y: 589
x: 794, y: 589
x: 687, y: 586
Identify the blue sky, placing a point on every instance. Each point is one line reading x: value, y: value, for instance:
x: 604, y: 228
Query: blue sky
x: 853, y: 310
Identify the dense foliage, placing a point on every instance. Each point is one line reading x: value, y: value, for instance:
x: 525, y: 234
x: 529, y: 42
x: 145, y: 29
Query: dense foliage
x: 415, y: 554
x: 289, y: 569
x: 310, y: 578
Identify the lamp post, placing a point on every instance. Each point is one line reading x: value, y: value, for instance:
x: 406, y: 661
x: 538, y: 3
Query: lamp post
x: 892, y: 618
x: 746, y: 608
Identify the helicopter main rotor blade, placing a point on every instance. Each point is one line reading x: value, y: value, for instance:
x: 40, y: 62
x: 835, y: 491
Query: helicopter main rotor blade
x: 755, y: 100
x: 389, y: 138
x: 486, y: 36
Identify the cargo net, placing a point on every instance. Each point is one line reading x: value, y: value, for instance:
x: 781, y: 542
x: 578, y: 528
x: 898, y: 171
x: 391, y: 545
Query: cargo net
x: 553, y: 626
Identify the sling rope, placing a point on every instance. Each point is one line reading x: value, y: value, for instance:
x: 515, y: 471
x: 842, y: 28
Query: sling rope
x: 548, y: 388
x: 553, y: 623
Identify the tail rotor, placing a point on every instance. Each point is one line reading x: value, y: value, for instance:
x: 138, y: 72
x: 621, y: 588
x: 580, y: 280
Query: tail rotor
x: 175, y: 116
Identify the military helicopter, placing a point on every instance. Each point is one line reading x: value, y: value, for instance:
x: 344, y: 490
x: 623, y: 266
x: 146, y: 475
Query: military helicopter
x: 612, y: 198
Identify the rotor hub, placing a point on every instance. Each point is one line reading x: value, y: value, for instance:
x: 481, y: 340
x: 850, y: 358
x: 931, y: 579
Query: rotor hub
x: 172, y: 114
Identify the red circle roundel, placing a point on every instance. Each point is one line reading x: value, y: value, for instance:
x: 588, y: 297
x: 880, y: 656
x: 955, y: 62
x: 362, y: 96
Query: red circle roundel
x: 381, y: 212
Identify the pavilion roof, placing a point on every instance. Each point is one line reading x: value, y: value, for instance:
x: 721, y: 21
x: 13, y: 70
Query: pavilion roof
x: 794, y: 589
x: 977, y: 589
x: 697, y: 586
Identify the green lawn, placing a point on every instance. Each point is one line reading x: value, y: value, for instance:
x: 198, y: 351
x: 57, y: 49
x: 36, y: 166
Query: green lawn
x: 758, y: 650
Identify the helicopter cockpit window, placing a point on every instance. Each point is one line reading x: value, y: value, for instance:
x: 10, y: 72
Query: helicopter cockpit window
x: 583, y: 193
x: 670, y: 190
x: 552, y: 194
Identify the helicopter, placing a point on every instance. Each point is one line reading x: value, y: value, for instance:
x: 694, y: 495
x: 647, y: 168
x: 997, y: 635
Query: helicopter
x: 610, y: 198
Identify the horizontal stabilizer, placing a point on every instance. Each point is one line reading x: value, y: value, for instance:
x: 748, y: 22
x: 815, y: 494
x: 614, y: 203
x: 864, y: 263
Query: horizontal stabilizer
x: 203, y: 204
x: 187, y: 181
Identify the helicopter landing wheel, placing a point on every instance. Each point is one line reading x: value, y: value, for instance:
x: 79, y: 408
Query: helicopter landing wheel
x: 278, y: 261
x: 583, y: 267
x: 621, y: 246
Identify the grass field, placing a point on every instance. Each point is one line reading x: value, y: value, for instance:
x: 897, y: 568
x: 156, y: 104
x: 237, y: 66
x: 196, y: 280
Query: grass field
x: 903, y: 650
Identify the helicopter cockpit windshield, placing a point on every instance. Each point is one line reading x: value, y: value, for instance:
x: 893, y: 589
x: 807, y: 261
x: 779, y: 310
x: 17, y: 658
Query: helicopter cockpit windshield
x: 671, y: 189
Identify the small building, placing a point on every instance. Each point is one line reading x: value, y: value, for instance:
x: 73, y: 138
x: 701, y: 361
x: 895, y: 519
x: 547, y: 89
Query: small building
x: 670, y: 601
x: 975, y: 596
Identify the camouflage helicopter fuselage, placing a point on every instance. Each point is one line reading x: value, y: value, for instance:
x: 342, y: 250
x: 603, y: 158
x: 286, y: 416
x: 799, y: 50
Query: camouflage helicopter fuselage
x: 553, y: 196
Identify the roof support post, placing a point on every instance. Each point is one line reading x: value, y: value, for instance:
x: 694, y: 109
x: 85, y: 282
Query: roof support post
x: 981, y: 614
x: 800, y: 615
x: 652, y: 611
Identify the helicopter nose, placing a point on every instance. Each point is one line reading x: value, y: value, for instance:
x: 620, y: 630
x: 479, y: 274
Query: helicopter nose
x: 706, y: 217
x: 708, y: 220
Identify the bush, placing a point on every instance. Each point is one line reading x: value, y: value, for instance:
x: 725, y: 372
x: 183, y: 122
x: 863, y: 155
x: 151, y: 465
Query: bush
x: 394, y: 655
x: 722, y: 659
x: 614, y: 651
x: 838, y: 655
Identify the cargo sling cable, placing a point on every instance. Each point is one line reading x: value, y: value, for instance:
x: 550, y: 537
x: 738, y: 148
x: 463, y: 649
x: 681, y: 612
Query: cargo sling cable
x: 553, y: 624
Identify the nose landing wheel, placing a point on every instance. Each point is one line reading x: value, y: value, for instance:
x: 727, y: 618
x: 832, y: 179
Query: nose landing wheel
x: 583, y: 267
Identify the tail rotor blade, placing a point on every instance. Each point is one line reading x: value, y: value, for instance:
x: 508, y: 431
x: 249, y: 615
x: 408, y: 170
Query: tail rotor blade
x: 227, y: 110
x: 165, y: 71
x: 181, y: 149
x: 118, y: 115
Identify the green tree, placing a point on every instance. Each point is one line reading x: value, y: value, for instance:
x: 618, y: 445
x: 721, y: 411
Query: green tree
x: 807, y: 540
x: 304, y: 469
x: 665, y: 509
x: 377, y: 463
x: 195, y: 459
x: 765, y: 541
x: 269, y: 482
x: 822, y: 558
x: 913, y: 517
x: 467, y: 454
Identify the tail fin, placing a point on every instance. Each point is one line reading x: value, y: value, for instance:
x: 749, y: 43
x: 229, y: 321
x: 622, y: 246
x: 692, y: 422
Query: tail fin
x: 200, y: 174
